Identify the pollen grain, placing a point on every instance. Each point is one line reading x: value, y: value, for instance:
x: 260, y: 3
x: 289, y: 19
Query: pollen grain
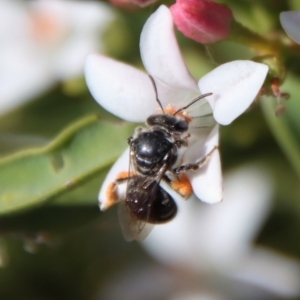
x: 112, y: 196
x: 182, y: 186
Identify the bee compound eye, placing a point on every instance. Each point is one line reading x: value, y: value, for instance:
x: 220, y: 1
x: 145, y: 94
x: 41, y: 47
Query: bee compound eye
x: 169, y: 122
x: 181, y: 126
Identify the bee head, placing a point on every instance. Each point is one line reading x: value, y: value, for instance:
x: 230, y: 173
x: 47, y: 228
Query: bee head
x: 170, y: 123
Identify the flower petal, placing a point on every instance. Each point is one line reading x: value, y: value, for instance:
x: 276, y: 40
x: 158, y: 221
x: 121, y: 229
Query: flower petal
x: 218, y: 234
x: 88, y: 20
x: 121, y: 165
x: 235, y: 221
x: 121, y: 89
x: 234, y: 86
x: 160, y: 52
x: 173, y: 243
x: 25, y: 69
x: 290, y: 21
x: 207, y: 181
x: 273, y: 272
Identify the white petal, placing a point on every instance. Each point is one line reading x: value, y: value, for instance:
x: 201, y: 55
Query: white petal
x: 87, y: 20
x: 275, y: 273
x: 160, y: 52
x: 234, y: 86
x: 201, y: 294
x: 207, y: 181
x: 290, y: 21
x: 69, y: 62
x: 14, y: 21
x: 235, y: 221
x: 209, y: 238
x: 80, y: 16
x: 24, y: 73
x: 25, y: 69
x: 121, y: 165
x: 120, y: 88
x: 38, y: 44
x: 173, y: 243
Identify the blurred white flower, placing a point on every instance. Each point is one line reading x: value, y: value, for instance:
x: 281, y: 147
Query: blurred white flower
x: 44, y: 41
x: 213, y: 245
x: 128, y: 93
x: 290, y: 22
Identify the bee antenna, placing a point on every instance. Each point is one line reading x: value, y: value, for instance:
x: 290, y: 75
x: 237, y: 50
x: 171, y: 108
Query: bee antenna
x: 191, y: 103
x: 156, y: 94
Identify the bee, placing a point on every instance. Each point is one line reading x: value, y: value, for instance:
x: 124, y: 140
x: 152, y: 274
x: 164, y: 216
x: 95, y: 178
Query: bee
x: 153, y: 154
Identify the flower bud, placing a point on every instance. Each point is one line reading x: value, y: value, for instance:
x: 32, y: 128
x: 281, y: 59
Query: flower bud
x: 202, y: 20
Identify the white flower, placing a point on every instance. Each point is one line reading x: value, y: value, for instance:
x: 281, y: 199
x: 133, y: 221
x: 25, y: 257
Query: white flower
x: 128, y: 93
x: 290, y: 21
x: 215, y: 243
x: 44, y: 41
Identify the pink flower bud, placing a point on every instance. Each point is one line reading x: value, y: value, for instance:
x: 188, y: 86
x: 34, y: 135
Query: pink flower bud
x: 202, y: 20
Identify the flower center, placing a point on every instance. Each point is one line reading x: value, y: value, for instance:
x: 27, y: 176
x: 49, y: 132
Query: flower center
x: 45, y: 27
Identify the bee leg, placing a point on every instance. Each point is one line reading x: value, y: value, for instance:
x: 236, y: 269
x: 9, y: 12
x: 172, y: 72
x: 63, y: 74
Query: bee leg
x: 185, y: 140
x: 195, y: 166
x: 181, y: 143
x: 112, y: 195
x: 181, y: 185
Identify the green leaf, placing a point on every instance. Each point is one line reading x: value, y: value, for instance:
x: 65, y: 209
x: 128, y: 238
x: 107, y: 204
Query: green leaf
x: 80, y: 152
x: 84, y: 194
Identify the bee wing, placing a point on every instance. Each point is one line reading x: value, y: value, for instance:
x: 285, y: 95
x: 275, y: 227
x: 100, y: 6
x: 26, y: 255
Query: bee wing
x: 132, y: 228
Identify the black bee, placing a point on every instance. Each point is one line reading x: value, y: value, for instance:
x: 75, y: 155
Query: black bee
x: 153, y: 155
